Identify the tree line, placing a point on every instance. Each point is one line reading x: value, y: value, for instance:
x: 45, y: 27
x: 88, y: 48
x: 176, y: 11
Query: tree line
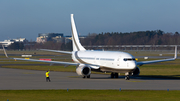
x: 156, y: 37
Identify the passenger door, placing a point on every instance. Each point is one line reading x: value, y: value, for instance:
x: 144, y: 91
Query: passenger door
x: 118, y: 62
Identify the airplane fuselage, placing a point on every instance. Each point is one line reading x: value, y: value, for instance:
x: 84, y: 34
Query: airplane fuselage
x: 107, y: 61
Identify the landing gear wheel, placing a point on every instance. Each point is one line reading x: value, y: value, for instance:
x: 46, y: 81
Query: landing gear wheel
x: 112, y: 75
x: 127, y: 78
x: 116, y: 75
x: 86, y: 76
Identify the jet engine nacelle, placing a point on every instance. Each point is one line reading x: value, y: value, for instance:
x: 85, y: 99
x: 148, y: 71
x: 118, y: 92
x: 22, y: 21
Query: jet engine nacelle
x: 83, y: 70
x: 136, y: 71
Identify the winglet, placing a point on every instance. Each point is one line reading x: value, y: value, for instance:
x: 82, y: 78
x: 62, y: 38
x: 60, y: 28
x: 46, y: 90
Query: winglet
x: 175, y: 54
x: 5, y: 52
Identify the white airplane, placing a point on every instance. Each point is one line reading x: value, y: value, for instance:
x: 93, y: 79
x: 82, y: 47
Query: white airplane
x: 101, y: 61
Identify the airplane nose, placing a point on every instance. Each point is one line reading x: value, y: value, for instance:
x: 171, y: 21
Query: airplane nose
x: 133, y: 65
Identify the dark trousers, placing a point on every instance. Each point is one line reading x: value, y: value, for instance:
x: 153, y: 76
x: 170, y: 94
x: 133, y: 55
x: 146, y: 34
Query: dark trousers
x: 48, y: 79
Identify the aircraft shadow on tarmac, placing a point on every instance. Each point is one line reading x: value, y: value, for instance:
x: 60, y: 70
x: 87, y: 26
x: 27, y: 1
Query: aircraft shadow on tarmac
x: 145, y: 77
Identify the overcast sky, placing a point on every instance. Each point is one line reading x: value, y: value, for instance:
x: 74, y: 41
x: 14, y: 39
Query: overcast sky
x: 27, y: 18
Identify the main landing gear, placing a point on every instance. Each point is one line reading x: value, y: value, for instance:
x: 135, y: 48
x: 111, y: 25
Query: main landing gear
x: 114, y: 75
x: 86, y: 76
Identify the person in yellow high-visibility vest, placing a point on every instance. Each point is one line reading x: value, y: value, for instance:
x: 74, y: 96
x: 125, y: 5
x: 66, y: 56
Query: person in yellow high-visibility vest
x: 47, y: 76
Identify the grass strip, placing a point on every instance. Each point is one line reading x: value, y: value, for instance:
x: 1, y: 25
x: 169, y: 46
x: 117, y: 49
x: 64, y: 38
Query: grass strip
x: 89, y: 95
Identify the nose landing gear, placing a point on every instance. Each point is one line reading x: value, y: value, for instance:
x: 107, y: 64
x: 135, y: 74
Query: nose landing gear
x: 127, y: 77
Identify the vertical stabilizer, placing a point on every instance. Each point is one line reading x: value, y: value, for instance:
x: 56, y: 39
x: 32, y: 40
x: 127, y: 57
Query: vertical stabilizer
x: 75, y: 39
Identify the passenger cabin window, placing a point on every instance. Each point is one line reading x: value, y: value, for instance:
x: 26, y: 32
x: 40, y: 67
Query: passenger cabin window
x: 106, y: 59
x: 129, y: 59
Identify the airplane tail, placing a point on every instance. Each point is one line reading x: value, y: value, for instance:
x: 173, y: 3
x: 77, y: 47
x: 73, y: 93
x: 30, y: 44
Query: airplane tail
x: 75, y: 39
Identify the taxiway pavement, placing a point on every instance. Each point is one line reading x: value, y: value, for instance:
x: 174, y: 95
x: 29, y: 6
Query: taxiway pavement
x: 19, y: 79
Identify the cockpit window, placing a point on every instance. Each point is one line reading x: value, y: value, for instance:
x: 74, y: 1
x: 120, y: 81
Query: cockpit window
x: 129, y: 59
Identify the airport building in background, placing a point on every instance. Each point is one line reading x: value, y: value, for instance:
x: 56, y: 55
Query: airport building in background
x: 56, y: 37
x: 44, y: 37
x: 6, y: 43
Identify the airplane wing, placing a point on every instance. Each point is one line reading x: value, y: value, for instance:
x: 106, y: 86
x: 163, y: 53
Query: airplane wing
x: 56, y: 62
x: 52, y: 62
x: 35, y: 60
x: 155, y: 61
x: 64, y: 52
